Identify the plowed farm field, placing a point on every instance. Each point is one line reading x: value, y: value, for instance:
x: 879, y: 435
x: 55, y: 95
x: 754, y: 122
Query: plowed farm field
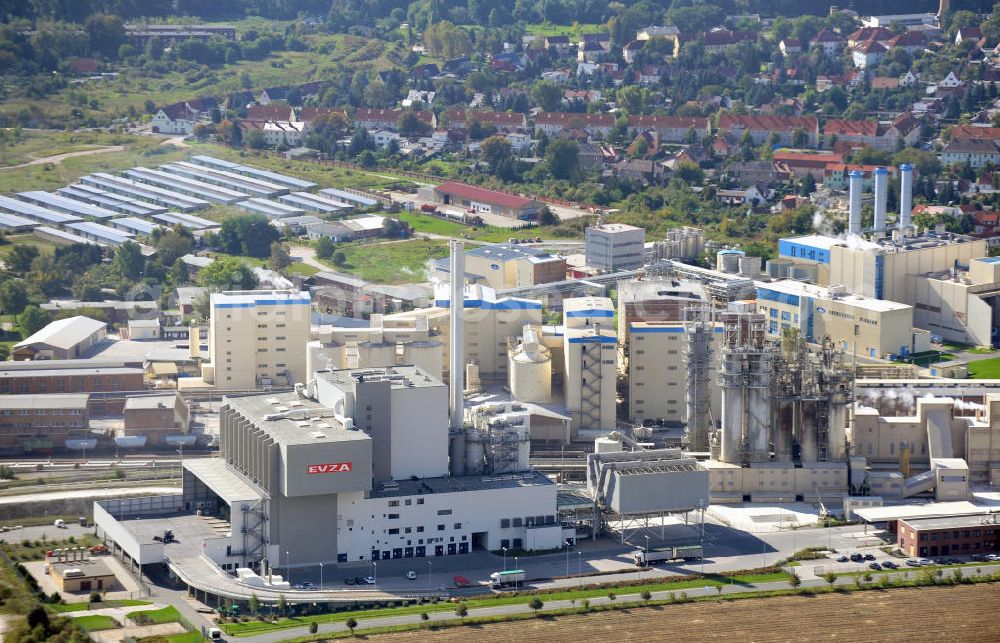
x: 959, y: 613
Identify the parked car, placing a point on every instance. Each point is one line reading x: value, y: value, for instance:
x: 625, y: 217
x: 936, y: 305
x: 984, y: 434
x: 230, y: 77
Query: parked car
x: 857, y: 558
x: 358, y: 580
x: 350, y: 580
x: 977, y: 558
x: 890, y: 565
x: 842, y: 559
x: 875, y: 566
x: 992, y: 557
x: 461, y: 581
x: 924, y: 561
x: 308, y: 585
x: 912, y: 562
x: 869, y: 556
x: 411, y: 575
x: 369, y: 580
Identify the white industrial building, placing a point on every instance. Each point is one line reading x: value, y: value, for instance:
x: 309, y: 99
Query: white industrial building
x: 615, y: 246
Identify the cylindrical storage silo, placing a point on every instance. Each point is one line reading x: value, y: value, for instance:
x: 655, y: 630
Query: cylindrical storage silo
x: 778, y: 268
x: 783, y: 430
x: 749, y: 266
x: 803, y: 272
x: 808, y: 450
x: 372, y: 354
x: 475, y: 453
x: 728, y: 261
x: 732, y: 408
x: 530, y: 373
x: 837, y: 433
x: 759, y: 407
x: 427, y: 355
x: 456, y: 452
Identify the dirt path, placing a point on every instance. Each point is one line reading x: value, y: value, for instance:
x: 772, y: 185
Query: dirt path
x: 59, y: 158
x: 966, y: 613
x: 307, y: 255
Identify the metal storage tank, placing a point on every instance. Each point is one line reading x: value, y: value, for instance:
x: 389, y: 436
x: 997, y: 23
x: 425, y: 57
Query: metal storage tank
x: 759, y: 407
x: 808, y: 449
x: 426, y: 354
x: 732, y: 407
x: 778, y: 268
x: 783, y: 430
x: 749, y: 266
x: 803, y: 273
x: 475, y: 452
x: 530, y: 370
x: 728, y: 260
x: 372, y: 354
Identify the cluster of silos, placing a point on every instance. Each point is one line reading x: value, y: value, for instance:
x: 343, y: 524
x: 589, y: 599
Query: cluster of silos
x: 530, y: 369
x: 736, y: 262
x: 745, y: 377
x: 881, y: 174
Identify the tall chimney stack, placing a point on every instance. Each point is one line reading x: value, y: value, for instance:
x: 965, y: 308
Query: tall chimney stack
x: 905, y: 197
x: 456, y: 352
x: 854, y: 218
x: 881, y: 194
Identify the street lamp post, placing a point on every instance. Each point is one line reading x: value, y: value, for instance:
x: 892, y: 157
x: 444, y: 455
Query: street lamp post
x: 375, y: 577
x: 504, y: 558
x: 321, y: 575
x: 701, y: 504
x: 288, y: 566
x: 579, y: 567
x: 430, y: 575
x: 515, y: 578
x: 567, y: 557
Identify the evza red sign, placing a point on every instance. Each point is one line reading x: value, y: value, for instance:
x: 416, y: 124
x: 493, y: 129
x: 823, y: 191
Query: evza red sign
x: 332, y: 467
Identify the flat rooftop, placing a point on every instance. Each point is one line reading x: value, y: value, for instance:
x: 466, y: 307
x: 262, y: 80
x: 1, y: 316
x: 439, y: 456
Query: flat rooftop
x: 802, y: 289
x: 986, y: 519
x: 398, y: 376
x: 48, y: 401
x: 294, y: 419
x: 141, y: 402
x: 450, y: 484
x: 91, y: 567
x: 223, y: 480
x: 658, y: 289
x: 70, y: 372
x: 190, y: 532
x: 918, y: 511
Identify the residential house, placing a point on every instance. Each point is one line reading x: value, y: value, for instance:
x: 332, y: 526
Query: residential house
x: 181, y: 118
x: 387, y: 118
x: 649, y: 75
x: 646, y: 145
x: 280, y: 133
x: 975, y: 152
x: 85, y: 66
x: 909, y: 79
x: 589, y: 51
x: 828, y: 41
x: 502, y: 121
x: 722, y: 40
x: 974, y: 131
x: 582, y: 95
x: 559, y: 75
x: 799, y: 164
x: 761, y: 127
x: 753, y: 196
x: 265, y: 113
x: 884, y: 82
x: 909, y: 41
x: 418, y: 96
x: 847, y: 80
x: 305, y: 90
x: 595, y: 125
x: 950, y: 82
x: 906, y: 126
x: 868, y: 54
x: 669, y: 32
x: 630, y: 50
x: 559, y: 44
x: 458, y: 66
x: 869, y: 34
x: 967, y: 33
x: 591, y: 156
x: 671, y: 129
x: 790, y: 46
x: 747, y: 173
x: 635, y: 170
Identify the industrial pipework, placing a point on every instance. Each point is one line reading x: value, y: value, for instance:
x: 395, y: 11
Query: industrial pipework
x: 456, y: 353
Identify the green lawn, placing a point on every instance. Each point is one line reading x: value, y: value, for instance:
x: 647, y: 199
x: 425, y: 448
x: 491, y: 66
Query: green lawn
x: 187, y: 637
x: 62, y: 608
x: 395, y: 262
x: 168, y: 614
x: 256, y: 627
x: 928, y: 358
x: 35, y: 144
x: 985, y: 369
x: 96, y: 622
x: 29, y: 239
x: 303, y: 269
x: 549, y: 29
x: 428, y: 224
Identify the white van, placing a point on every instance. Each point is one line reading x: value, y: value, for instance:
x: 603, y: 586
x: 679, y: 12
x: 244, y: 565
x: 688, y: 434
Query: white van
x: 215, y: 634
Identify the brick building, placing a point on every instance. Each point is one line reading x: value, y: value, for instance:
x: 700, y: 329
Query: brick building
x: 107, y: 380
x: 41, y: 422
x: 156, y: 416
x: 950, y: 536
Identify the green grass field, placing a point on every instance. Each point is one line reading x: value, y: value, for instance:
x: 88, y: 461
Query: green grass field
x: 96, y: 622
x: 395, y: 262
x: 187, y: 637
x: 428, y: 224
x: 985, y: 369
x: 62, y: 608
x: 256, y: 627
x: 168, y: 614
x: 36, y: 144
x: 549, y: 29
x: 29, y: 239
